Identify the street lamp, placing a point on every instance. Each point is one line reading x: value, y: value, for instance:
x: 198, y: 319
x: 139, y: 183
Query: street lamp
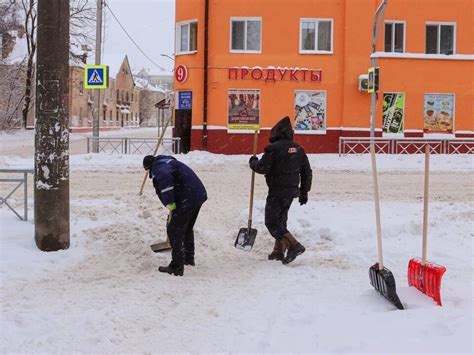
x: 167, y: 56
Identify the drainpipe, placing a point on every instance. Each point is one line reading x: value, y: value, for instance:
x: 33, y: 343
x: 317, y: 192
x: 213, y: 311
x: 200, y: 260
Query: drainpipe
x: 206, y: 63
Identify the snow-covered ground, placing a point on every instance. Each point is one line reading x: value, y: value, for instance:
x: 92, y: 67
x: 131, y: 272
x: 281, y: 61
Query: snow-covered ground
x: 105, y: 295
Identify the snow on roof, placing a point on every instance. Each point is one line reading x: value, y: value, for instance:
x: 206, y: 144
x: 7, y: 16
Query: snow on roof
x: 146, y: 85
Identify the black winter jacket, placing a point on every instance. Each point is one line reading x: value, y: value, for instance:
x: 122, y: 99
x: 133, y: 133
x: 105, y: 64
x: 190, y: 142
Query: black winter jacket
x: 284, y: 163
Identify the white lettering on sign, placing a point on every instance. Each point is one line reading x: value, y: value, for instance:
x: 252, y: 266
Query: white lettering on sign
x: 275, y: 74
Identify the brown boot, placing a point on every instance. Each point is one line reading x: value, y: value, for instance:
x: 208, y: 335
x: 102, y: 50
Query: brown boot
x: 295, y: 248
x: 278, y: 252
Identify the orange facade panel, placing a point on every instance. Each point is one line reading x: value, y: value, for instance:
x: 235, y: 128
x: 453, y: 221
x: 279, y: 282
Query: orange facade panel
x: 305, y: 58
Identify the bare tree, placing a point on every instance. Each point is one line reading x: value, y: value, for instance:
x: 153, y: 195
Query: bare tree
x: 82, y: 20
x: 29, y: 8
x: 11, y: 95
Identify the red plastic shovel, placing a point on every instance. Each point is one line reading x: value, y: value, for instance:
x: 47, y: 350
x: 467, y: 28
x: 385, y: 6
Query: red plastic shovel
x: 423, y: 275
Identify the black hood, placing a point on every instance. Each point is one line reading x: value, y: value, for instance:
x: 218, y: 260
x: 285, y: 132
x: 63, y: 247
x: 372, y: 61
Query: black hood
x: 282, y: 130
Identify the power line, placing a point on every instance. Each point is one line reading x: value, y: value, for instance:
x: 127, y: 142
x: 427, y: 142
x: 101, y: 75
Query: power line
x: 133, y: 41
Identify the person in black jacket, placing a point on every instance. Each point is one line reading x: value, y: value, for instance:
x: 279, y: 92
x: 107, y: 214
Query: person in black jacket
x: 284, y: 164
x: 183, y: 193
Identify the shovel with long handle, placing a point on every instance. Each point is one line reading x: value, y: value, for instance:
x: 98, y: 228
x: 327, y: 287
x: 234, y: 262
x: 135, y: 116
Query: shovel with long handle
x: 423, y: 275
x: 381, y: 278
x: 166, y: 245
x: 154, y: 153
x: 246, y: 236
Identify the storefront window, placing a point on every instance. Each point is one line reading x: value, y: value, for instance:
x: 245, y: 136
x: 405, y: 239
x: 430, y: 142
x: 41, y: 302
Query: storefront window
x: 243, y: 109
x: 393, y: 111
x: 438, y: 113
x: 316, y: 35
x: 440, y: 38
x: 310, y: 111
x: 246, y: 34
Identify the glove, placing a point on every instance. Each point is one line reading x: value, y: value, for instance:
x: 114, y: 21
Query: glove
x: 303, y: 199
x: 252, y: 159
x: 171, y: 206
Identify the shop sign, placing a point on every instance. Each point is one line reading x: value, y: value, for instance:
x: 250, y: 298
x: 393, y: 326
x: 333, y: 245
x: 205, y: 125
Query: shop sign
x: 438, y: 112
x: 393, y: 112
x: 181, y: 73
x: 310, y: 111
x: 272, y: 74
x: 243, y: 110
x: 185, y: 100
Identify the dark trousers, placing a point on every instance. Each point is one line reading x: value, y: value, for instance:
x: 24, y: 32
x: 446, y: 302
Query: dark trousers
x: 181, y: 235
x: 276, y: 215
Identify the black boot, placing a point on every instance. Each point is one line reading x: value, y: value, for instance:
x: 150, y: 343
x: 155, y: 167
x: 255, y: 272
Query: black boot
x: 189, y: 261
x: 172, y: 270
x: 294, y: 250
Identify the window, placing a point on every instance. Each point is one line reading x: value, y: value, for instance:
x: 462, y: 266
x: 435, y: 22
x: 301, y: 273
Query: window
x: 395, y: 37
x: 316, y: 35
x: 81, y: 87
x: 440, y: 38
x: 186, y: 36
x: 246, y: 34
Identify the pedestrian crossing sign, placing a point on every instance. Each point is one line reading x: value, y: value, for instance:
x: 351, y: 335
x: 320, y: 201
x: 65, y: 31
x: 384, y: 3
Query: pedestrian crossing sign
x: 96, y: 77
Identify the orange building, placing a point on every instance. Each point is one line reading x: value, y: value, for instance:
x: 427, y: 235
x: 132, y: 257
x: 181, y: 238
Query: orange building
x: 261, y: 60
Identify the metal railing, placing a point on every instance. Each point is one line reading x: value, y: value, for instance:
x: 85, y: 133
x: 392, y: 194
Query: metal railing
x: 142, y: 146
x: 383, y: 145
x: 21, y: 181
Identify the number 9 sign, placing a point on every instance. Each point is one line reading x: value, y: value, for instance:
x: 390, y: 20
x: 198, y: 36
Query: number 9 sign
x: 181, y: 73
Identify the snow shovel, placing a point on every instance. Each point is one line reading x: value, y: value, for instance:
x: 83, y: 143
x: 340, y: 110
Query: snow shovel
x: 246, y: 236
x: 423, y: 275
x: 381, y: 278
x: 163, y: 246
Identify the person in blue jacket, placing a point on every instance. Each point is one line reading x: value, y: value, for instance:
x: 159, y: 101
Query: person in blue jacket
x: 183, y: 193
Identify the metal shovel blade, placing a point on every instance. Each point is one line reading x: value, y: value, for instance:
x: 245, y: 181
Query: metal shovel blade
x: 245, y: 239
x: 162, y: 246
x: 384, y: 282
x: 426, y: 278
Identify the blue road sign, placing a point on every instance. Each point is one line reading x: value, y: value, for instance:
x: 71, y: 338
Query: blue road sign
x: 95, y: 77
x: 185, y: 100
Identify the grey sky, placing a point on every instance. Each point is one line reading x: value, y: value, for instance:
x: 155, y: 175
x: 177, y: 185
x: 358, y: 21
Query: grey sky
x: 150, y: 23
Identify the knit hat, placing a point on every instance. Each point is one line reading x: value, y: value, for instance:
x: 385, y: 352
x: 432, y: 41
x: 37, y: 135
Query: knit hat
x: 148, y: 162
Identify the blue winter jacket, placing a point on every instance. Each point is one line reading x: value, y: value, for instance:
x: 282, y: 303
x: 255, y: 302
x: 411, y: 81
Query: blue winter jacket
x: 176, y: 182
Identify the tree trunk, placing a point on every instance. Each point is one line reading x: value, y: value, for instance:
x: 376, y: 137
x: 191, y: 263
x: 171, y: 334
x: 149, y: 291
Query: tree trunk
x: 29, y: 75
x: 51, y: 131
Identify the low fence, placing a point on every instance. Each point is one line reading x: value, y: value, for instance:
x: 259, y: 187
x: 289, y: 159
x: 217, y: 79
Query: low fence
x: 361, y: 145
x: 17, y: 181
x: 142, y: 146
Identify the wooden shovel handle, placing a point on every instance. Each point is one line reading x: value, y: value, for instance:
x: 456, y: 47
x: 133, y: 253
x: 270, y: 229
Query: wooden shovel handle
x: 252, y: 181
x: 425, y: 204
x: 154, y: 153
x: 377, y: 205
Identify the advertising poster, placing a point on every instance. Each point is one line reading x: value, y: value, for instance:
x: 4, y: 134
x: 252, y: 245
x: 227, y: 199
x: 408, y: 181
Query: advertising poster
x: 310, y: 111
x: 438, y: 112
x: 393, y: 112
x: 243, y: 109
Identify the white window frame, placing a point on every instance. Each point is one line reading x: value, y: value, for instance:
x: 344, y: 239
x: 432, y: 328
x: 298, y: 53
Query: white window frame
x: 439, y: 24
x: 245, y: 34
x: 393, y: 22
x: 178, y: 36
x: 316, y: 51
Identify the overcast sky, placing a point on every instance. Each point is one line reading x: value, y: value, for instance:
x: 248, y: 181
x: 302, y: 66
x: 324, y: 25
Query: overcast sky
x: 150, y: 23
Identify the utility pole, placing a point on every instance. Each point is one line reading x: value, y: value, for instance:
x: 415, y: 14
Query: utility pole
x: 51, y: 130
x: 98, y: 51
x: 373, y: 61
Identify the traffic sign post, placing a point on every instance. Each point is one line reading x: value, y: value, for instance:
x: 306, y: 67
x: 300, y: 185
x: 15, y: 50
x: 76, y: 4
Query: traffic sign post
x: 96, y: 77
